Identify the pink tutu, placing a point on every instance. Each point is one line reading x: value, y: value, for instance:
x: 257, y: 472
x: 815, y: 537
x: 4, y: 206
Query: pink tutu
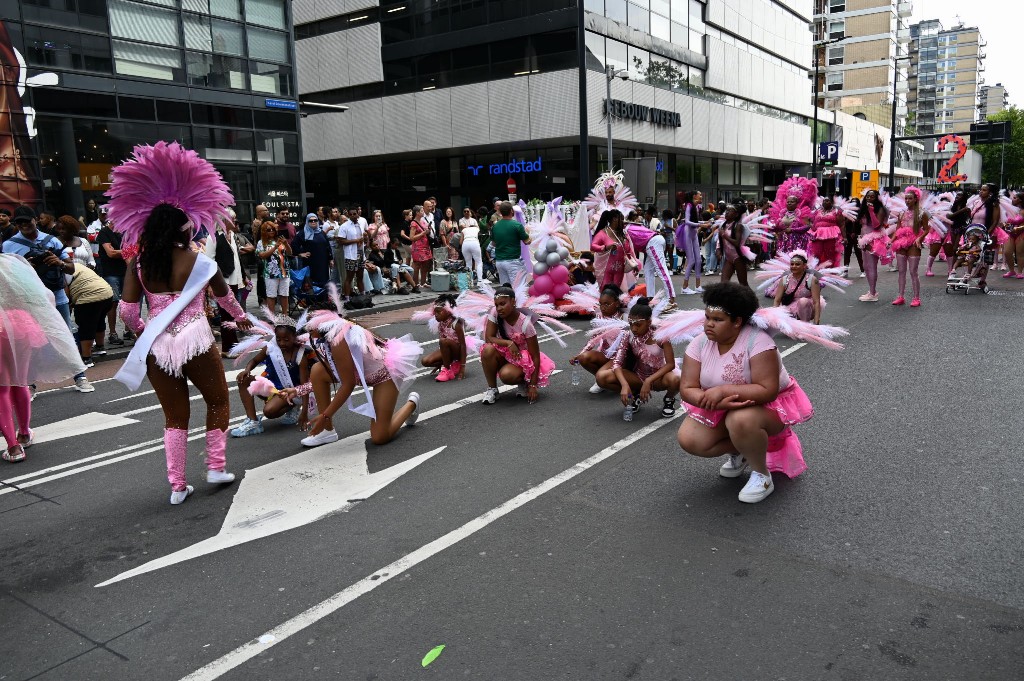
x: 934, y: 238
x: 877, y: 244
x: 525, y: 362
x: 1000, y: 236
x: 401, y: 357
x: 827, y: 233
x: 785, y: 453
x: 903, y: 239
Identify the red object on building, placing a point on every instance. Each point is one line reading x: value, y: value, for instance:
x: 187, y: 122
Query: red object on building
x: 511, y: 184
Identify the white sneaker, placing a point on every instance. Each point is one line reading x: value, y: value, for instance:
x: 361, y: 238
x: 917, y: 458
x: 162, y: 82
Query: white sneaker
x: 179, y: 497
x: 596, y: 389
x: 733, y: 466
x: 247, y: 427
x: 322, y: 438
x: 862, y: 275
x: 758, y: 487
x: 83, y: 385
x: 219, y: 477
x: 291, y: 418
x: 699, y: 289
x: 490, y: 396
x: 688, y: 291
x: 521, y: 390
x: 414, y: 397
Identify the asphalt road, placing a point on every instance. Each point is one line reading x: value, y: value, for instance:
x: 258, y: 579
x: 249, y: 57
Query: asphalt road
x: 552, y: 541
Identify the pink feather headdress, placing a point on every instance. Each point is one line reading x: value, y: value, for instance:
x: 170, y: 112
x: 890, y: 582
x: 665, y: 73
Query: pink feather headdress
x: 171, y: 174
x: 803, y: 188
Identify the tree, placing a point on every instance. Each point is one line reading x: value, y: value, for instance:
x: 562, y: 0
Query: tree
x: 991, y: 154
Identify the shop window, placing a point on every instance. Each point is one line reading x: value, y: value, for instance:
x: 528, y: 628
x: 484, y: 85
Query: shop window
x: 147, y: 61
x: 270, y: 78
x: 216, y: 71
x: 277, y: 148
x: 172, y: 112
x: 137, y: 108
x: 265, y: 13
x: 684, y: 170
x: 269, y: 45
x: 750, y: 174
x: 136, y: 21
x: 726, y: 171
x: 223, y: 145
x: 702, y: 171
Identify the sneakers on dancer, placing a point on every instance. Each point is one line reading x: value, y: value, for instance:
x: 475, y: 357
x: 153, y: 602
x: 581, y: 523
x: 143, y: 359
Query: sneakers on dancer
x: 929, y: 273
x: 869, y: 298
x: 83, y: 385
x: 668, y: 407
x: 596, y: 389
x: 733, y: 466
x: 292, y: 417
x: 490, y: 396
x: 87, y: 361
x: 1009, y: 275
x: 444, y: 375
x: 699, y: 289
x: 916, y: 302
x: 862, y: 275
x: 248, y: 427
x: 671, y: 307
x: 687, y: 291
x: 1021, y: 275
x: 324, y: 437
x: 454, y: 369
x: 414, y: 397
x: 522, y: 390
x: 758, y: 487
x: 899, y: 301
x: 180, y: 497
x: 26, y: 441
x: 219, y: 477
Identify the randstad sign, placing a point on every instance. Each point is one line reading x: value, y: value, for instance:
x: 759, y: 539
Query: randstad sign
x: 513, y: 166
x: 636, y: 112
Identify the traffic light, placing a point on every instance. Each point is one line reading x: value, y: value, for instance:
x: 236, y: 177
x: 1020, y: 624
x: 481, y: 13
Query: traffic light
x: 991, y: 132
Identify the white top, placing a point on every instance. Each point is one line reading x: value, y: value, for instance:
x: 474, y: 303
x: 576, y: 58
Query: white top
x: 235, y: 279
x: 351, y: 230
x: 82, y: 254
x: 471, y: 232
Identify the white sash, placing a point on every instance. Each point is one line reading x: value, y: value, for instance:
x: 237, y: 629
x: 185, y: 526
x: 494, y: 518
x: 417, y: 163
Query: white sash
x: 134, y: 368
x: 356, y: 339
x: 275, y: 355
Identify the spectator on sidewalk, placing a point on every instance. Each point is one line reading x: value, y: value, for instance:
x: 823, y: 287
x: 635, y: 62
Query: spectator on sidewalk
x: 284, y: 226
x: 508, y: 236
x: 112, y: 267
x: 222, y: 248
x: 313, y: 249
x: 274, y: 252
x: 401, y: 271
x: 92, y: 299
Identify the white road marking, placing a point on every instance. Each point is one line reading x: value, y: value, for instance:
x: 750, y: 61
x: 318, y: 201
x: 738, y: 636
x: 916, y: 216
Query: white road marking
x: 78, y: 425
x: 155, y: 407
x: 790, y: 351
x: 298, y: 490
x: 228, y: 375
x: 282, y: 632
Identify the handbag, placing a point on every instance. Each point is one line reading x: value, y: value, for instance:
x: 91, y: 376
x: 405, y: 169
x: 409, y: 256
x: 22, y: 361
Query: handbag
x: 224, y: 256
x: 788, y: 298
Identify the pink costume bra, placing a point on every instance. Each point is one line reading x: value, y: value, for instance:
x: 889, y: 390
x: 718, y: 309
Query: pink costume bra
x: 188, y: 336
x: 649, y: 358
x: 374, y: 369
x: 446, y: 330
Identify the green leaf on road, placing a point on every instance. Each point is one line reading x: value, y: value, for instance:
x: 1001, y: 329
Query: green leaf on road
x: 432, y: 655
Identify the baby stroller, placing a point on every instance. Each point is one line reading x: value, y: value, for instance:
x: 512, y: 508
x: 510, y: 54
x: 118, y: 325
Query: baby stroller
x: 303, y: 291
x: 978, y: 269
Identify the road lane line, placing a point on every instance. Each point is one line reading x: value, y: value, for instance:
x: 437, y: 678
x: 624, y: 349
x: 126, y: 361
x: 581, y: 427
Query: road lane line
x: 229, y: 376
x: 790, y: 351
x: 78, y: 425
x: 282, y: 632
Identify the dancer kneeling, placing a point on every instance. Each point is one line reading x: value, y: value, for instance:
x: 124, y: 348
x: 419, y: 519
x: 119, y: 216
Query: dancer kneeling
x: 348, y: 354
x: 653, y: 364
x: 283, y: 353
x: 738, y: 394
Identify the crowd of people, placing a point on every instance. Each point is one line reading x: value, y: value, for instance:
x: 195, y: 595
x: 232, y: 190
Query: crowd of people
x: 170, y: 243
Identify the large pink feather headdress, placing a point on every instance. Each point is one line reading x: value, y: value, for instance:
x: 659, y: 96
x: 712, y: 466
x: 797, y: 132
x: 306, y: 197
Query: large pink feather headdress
x: 171, y: 174
x: 803, y: 189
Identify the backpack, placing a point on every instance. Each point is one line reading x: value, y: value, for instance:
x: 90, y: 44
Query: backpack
x: 359, y: 301
x: 224, y: 256
x: 52, y: 276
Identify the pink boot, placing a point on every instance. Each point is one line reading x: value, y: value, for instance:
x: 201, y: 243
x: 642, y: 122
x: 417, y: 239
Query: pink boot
x: 176, y: 447
x: 216, y: 443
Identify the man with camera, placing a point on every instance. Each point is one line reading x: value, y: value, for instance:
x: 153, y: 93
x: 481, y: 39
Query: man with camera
x: 47, y: 256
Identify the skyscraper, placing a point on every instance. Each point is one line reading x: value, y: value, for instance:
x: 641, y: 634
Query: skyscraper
x: 992, y: 100
x: 946, y: 75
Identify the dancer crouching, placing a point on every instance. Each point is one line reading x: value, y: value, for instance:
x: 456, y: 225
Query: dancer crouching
x: 607, y: 307
x: 740, y: 399
x: 653, y: 364
x: 158, y: 199
x: 450, y: 357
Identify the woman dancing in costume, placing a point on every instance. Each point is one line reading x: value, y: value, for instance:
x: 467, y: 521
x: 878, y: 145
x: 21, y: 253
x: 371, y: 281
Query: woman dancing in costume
x: 732, y: 245
x: 874, y: 242
x: 453, y: 344
x: 688, y: 241
x: 1013, y: 251
x: 790, y: 214
x: 827, y: 227
x: 740, y: 399
x: 158, y: 199
x: 282, y: 351
x: 36, y: 346
x: 912, y: 226
x: 642, y: 364
x: 652, y: 243
x: 609, y: 193
x: 614, y: 255
x: 350, y: 355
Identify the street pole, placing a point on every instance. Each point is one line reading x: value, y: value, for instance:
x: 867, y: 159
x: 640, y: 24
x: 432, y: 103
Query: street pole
x: 609, y: 73
x: 581, y: 56
x: 892, y: 132
x: 814, y: 130
x: 1002, y: 163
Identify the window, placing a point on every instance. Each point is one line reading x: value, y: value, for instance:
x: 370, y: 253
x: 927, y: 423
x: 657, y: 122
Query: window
x: 209, y: 70
x: 684, y: 169
x: 638, y: 63
x: 835, y: 55
x: 277, y: 148
x: 213, y: 35
x: 595, y: 6
x: 616, y: 54
x: 270, y: 78
x: 271, y: 45
x: 702, y: 171
x: 834, y: 81
x: 147, y: 61
x: 595, y: 51
x: 681, y: 12
x: 837, y: 29
x: 639, y: 18
x: 660, y: 27
x: 51, y: 48
x: 265, y: 13
x: 615, y: 9
x: 726, y: 171
x: 836, y: 6
x: 143, y: 22
x: 750, y: 174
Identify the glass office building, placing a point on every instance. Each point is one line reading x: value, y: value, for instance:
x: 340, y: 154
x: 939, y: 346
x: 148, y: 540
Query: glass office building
x: 93, y: 78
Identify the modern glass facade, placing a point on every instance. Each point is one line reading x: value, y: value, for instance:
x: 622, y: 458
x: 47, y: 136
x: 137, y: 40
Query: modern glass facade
x: 215, y: 75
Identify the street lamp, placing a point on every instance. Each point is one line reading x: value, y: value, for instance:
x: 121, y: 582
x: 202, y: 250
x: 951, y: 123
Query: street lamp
x: 814, y: 131
x: 892, y: 133
x: 610, y: 73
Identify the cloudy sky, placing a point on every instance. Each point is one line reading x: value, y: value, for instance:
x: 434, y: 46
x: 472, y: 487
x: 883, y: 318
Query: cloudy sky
x: 999, y: 25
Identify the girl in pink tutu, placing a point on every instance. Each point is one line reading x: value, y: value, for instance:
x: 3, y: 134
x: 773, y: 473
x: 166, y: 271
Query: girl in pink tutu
x: 512, y: 352
x: 874, y: 243
x: 641, y: 364
x: 35, y: 346
x: 740, y: 399
x: 349, y: 355
x: 911, y: 229
x: 450, y: 357
x: 608, y: 310
x: 827, y: 224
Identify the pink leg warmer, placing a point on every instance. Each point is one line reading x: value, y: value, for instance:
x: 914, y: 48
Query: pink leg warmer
x: 931, y: 261
x: 216, y: 443
x: 914, y: 261
x: 7, y: 417
x: 21, y: 397
x: 176, y: 447
x: 901, y: 267
x: 871, y: 269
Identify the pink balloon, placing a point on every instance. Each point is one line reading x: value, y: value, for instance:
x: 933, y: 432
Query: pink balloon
x: 559, y: 274
x: 561, y: 291
x: 542, y: 285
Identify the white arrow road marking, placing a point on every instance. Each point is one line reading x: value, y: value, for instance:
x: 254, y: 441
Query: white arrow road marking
x: 299, y: 490
x: 240, y: 655
x: 78, y: 425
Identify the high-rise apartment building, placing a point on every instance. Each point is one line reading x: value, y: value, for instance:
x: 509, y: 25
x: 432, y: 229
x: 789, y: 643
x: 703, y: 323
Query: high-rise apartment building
x: 946, y: 75
x: 857, y: 43
x: 992, y: 100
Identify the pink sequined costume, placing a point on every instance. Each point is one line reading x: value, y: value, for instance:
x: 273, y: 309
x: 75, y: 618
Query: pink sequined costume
x: 648, y: 357
x: 827, y: 236
x: 518, y: 333
x: 906, y: 237
x: 802, y: 306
